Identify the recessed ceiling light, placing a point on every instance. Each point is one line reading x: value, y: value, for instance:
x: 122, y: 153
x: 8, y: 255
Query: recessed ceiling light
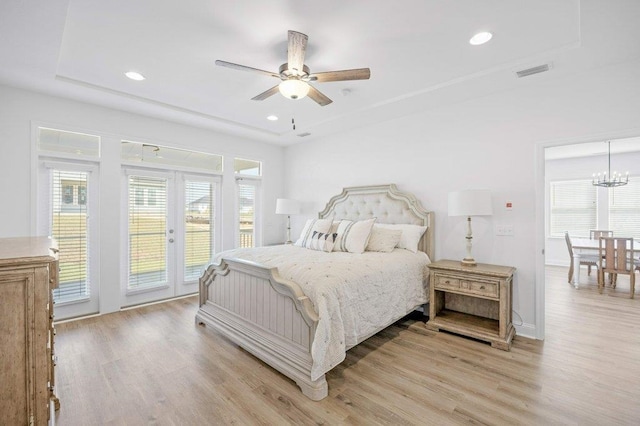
x: 272, y: 118
x: 481, y: 38
x: 134, y: 75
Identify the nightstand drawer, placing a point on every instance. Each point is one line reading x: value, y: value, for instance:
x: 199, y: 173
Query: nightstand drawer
x: 481, y: 288
x: 447, y: 282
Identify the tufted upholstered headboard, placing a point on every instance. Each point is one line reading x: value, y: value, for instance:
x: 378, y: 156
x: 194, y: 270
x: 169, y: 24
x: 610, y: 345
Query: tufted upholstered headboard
x: 387, y: 204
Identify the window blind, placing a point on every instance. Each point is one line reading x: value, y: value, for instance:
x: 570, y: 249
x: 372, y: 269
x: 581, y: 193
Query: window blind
x: 70, y: 227
x: 147, y: 205
x: 246, y: 213
x: 199, y: 208
x: 624, y: 210
x: 573, y: 208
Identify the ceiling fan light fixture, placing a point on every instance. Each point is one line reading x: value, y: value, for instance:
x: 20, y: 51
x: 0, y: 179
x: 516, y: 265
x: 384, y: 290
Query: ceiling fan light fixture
x: 293, y: 89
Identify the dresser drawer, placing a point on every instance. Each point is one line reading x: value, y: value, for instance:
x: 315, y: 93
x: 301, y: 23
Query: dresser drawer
x: 447, y: 282
x: 481, y: 288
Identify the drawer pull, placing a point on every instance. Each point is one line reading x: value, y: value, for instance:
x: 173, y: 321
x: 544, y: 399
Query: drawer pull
x: 447, y: 282
x: 481, y: 287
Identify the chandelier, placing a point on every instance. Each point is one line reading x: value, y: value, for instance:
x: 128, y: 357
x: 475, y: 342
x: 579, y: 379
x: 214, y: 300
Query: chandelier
x: 615, y: 179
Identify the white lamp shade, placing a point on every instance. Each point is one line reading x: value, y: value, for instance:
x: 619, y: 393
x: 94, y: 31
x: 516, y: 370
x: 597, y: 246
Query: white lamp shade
x: 293, y: 89
x: 473, y: 202
x: 286, y: 206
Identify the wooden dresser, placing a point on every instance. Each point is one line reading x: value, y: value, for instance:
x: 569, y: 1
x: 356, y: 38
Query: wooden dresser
x: 474, y: 301
x: 28, y: 274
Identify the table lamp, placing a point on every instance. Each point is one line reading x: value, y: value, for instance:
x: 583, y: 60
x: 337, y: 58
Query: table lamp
x: 473, y: 202
x: 288, y: 207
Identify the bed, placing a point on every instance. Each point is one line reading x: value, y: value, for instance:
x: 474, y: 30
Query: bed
x: 270, y: 301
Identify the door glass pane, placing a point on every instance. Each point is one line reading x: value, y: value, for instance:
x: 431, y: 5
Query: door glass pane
x: 246, y: 214
x: 147, y: 232
x: 69, y: 226
x: 198, y: 239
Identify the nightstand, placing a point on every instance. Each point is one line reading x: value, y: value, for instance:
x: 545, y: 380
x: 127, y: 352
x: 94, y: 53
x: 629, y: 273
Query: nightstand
x: 473, y: 301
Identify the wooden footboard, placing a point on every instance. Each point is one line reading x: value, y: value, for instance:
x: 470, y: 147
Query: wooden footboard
x: 268, y: 316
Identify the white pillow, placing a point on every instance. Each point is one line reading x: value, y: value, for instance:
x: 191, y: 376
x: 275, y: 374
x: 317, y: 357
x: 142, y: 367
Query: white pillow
x: 323, y: 241
x: 353, y: 236
x: 312, y: 225
x: 383, y: 239
x: 411, y: 235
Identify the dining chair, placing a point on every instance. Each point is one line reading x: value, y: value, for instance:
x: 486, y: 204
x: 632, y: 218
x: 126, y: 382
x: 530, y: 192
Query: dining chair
x: 594, y: 234
x: 585, y: 259
x: 616, y: 257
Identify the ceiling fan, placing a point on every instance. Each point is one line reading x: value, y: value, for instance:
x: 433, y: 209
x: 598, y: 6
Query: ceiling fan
x: 295, y: 75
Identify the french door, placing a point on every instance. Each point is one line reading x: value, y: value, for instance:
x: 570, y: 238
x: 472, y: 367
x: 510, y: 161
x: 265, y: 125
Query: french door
x: 169, y: 232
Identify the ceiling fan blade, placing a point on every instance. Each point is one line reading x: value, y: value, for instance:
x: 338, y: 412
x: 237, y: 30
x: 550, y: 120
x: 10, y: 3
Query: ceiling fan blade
x: 355, y: 74
x: 264, y: 95
x: 296, y: 51
x: 315, y: 94
x: 245, y: 68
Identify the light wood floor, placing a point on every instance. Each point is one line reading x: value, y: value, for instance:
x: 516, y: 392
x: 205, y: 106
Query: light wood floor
x: 153, y: 365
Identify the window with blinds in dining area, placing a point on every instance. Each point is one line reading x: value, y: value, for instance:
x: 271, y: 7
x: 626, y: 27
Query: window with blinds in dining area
x: 578, y: 206
x: 573, y: 208
x: 624, y: 209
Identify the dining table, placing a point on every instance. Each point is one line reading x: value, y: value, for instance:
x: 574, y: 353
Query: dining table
x: 589, y: 246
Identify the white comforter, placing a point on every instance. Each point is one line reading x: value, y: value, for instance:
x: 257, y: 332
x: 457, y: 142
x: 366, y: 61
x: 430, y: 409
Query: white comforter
x: 355, y: 295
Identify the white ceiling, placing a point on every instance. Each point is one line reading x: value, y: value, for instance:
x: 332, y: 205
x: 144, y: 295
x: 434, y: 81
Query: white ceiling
x: 417, y: 50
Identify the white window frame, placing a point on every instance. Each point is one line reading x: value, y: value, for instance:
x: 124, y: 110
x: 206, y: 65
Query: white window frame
x: 257, y: 220
x: 91, y: 304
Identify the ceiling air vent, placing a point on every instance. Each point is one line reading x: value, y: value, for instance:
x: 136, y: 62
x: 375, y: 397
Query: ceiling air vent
x: 302, y: 135
x: 533, y: 70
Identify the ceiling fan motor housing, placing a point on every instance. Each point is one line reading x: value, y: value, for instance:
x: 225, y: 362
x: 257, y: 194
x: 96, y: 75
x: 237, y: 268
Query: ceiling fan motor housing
x: 286, y: 73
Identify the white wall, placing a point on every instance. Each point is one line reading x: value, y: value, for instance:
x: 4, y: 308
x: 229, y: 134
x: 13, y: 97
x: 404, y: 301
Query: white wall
x: 490, y: 143
x: 583, y: 168
x: 20, y: 108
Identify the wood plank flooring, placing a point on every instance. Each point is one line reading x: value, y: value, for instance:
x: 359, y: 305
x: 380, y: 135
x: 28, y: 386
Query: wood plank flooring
x: 153, y: 365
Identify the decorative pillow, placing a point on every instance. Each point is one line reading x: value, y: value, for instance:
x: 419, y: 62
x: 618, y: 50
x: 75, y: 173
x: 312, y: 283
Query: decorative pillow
x: 334, y: 226
x: 383, y: 239
x: 411, y: 235
x: 322, y: 241
x: 353, y: 236
x: 317, y: 225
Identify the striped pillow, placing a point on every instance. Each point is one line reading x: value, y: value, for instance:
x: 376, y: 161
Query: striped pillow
x: 312, y: 225
x: 322, y: 241
x: 353, y: 236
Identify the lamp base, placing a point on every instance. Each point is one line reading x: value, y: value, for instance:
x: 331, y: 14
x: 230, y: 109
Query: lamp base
x: 468, y: 262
